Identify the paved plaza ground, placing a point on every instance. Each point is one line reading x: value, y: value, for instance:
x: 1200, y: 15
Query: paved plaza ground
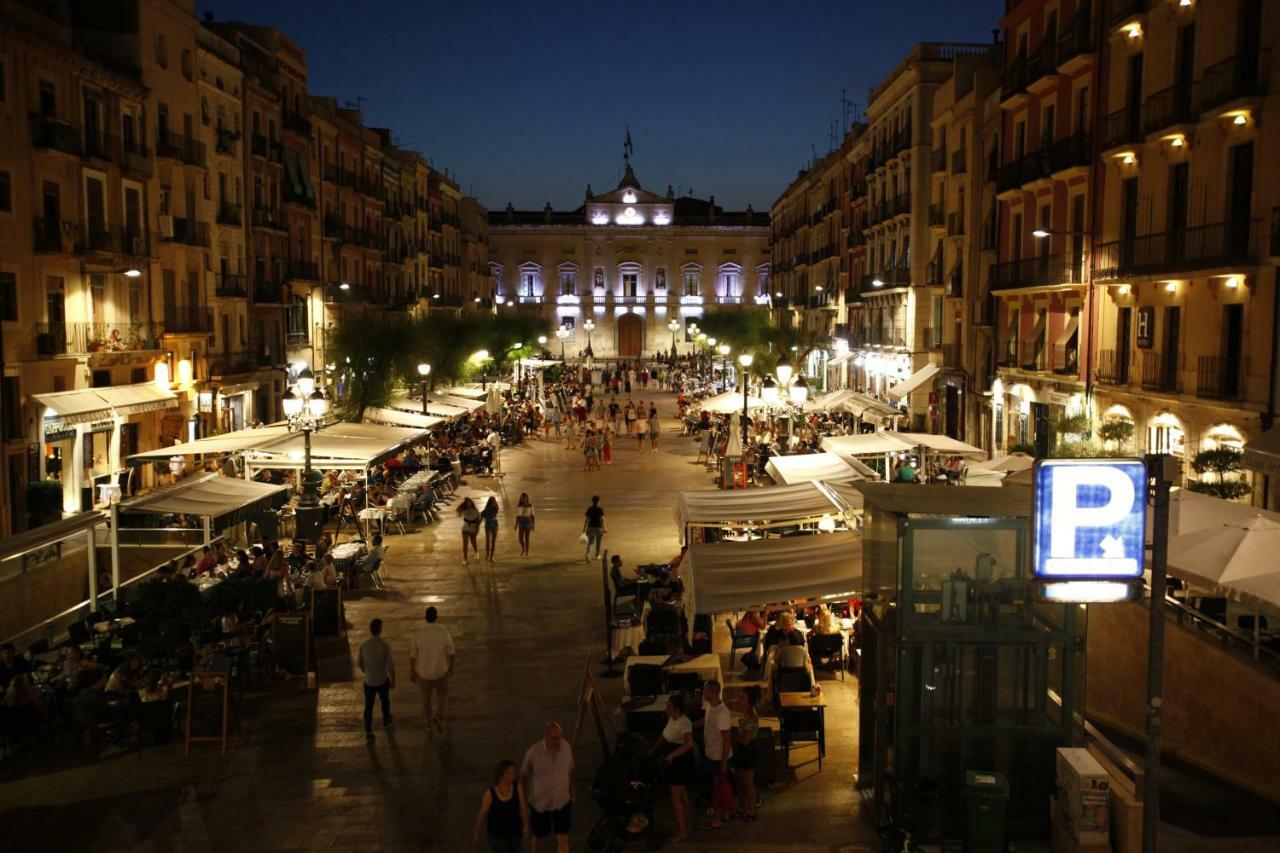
x: 300, y: 774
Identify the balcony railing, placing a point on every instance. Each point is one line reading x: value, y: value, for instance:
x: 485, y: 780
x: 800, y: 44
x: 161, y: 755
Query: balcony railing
x: 1166, y: 108
x: 936, y: 218
x: 87, y: 338
x: 1113, y: 367
x: 306, y: 270
x: 53, y: 235
x: 1217, y: 378
x: 1015, y: 78
x: 1160, y: 371
x: 226, y: 141
x: 266, y: 217
x: 230, y: 214
x: 1203, y: 247
x: 230, y: 363
x: 50, y: 134
x: 887, y: 279
x: 1077, y: 37
x: 955, y: 224
x: 300, y: 125
x: 959, y: 161
x: 268, y: 291
x: 1056, y: 269
x: 1235, y: 77
x: 230, y: 285
x: 938, y: 160
x: 1122, y: 127
x: 188, y: 232
x: 175, y: 146
x: 183, y: 319
x: 116, y: 240
x: 1064, y: 153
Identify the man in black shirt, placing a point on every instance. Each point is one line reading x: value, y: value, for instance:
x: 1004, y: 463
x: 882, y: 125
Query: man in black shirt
x: 12, y: 666
x: 593, y: 527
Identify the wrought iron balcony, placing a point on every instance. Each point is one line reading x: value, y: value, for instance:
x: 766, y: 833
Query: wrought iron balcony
x: 1112, y: 367
x: 51, y: 134
x: 1122, y: 127
x: 175, y: 146
x: 1217, y: 378
x: 1202, y: 247
x: 1042, y: 270
x: 1234, y: 77
x: 230, y: 285
x: 88, y: 338
x: 1160, y: 372
x: 1167, y: 108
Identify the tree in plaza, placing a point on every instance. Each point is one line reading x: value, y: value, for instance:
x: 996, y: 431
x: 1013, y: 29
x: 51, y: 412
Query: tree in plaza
x: 501, y: 333
x: 752, y: 332
x: 1220, y: 461
x: 371, y: 352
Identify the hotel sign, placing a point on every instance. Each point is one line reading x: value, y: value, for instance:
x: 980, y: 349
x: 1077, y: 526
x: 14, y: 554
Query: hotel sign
x: 1089, y: 521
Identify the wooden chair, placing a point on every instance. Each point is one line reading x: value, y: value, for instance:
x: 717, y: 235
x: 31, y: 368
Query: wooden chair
x: 747, y: 642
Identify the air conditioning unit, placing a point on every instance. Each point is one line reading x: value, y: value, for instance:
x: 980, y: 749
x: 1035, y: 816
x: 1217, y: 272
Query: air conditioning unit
x: 166, y: 226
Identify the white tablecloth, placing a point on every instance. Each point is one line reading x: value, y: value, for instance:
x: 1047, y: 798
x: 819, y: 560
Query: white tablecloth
x: 625, y: 637
x: 345, y: 553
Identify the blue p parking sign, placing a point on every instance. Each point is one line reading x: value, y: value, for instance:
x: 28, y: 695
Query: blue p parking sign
x: 1090, y: 519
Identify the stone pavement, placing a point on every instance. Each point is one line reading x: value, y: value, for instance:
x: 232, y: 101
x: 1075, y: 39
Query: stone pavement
x: 300, y: 774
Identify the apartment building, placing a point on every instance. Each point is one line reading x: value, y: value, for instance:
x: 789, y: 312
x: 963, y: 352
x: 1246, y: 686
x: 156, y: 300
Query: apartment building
x: 902, y: 310
x: 962, y: 224
x: 445, y: 244
x: 1182, y: 259
x: 632, y: 262
x: 1045, y: 183
x: 474, y: 228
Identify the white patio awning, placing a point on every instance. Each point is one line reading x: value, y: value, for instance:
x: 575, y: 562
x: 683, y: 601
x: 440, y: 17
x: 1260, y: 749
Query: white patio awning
x: 807, y: 467
x: 827, y: 402
x: 434, y: 407
x: 727, y: 576
x: 215, y: 445
x: 470, y: 392
x: 340, y: 445
x: 942, y: 444
x: 399, y: 417
x: 865, y: 444
x: 211, y: 495
x: 913, y: 381
x: 778, y: 506
x: 92, y: 404
x: 729, y: 402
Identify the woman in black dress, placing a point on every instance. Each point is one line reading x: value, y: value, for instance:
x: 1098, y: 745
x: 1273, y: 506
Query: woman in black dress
x: 503, y: 819
x: 676, y: 749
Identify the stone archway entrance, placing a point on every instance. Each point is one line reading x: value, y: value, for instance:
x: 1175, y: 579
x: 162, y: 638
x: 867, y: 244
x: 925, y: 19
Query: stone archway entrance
x: 630, y: 336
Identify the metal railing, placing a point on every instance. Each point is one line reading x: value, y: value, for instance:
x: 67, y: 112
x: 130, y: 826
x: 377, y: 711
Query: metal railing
x: 1059, y: 268
x: 1166, y: 108
x: 230, y: 214
x: 1122, y: 127
x: 187, y: 318
x: 1077, y: 37
x: 1217, y: 378
x: 1234, y: 77
x: 959, y: 161
x: 176, y: 146
x: 86, y: 338
x: 307, y: 270
x: 1184, y: 249
x: 189, y: 232
x: 230, y: 285
x: 52, y: 134
x: 1160, y: 371
x: 936, y: 216
x: 1112, y: 367
x: 938, y: 160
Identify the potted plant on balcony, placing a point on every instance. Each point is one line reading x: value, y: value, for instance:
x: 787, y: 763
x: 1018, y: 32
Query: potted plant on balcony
x: 1220, y: 461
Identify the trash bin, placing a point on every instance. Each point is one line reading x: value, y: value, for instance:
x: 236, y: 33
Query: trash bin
x: 917, y: 808
x: 986, y: 794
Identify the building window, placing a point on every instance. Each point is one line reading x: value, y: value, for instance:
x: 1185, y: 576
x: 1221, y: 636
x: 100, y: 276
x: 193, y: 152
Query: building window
x: 630, y: 283
x: 6, y: 193
x: 692, y: 282
x: 730, y: 285
x: 568, y: 282
x: 8, y: 297
x: 528, y: 283
x: 11, y: 411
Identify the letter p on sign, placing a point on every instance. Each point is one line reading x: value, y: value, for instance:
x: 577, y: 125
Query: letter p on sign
x: 1090, y: 518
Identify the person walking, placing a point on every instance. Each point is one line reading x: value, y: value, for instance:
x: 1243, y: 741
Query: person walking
x: 470, y: 527
x: 655, y: 428
x: 490, y: 516
x: 524, y: 522
x: 744, y: 753
x: 503, y: 819
x: 547, y: 774
x: 606, y: 441
x: 717, y: 747
x: 642, y: 427
x: 431, y: 657
x: 594, y: 528
x: 379, y: 676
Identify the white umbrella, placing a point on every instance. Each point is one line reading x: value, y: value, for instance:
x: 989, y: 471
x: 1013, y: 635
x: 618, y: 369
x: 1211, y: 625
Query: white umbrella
x: 493, y: 402
x: 1228, y: 552
x: 1005, y: 464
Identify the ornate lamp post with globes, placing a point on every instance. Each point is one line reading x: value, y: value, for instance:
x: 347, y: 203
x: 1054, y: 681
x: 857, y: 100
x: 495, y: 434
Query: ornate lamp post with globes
x: 424, y: 370
x: 744, y: 361
x: 305, y: 407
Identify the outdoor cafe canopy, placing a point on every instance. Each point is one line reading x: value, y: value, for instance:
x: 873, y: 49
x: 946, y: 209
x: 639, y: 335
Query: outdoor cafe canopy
x: 807, y: 467
x: 859, y: 405
x: 773, y: 507
x: 888, y: 441
x: 340, y: 445
x: 215, y: 445
x: 396, y: 416
x: 208, y: 495
x: 729, y: 576
x: 729, y: 402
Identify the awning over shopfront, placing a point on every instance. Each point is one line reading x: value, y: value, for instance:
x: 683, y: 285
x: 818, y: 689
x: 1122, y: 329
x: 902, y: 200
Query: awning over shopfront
x: 729, y: 402
x: 92, y: 404
x: 210, y: 495
x: 728, y: 576
x: 401, y: 418
x: 1262, y: 454
x: 215, y: 445
x: 807, y: 467
x: 914, y: 381
x: 780, y: 506
x: 341, y: 445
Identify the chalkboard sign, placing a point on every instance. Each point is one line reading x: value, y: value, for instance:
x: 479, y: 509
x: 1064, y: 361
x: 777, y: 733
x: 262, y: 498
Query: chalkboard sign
x: 326, y: 612
x: 291, y: 643
x: 209, y: 704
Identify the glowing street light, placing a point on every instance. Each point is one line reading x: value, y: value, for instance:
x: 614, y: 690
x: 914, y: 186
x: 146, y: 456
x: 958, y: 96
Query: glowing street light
x: 424, y: 370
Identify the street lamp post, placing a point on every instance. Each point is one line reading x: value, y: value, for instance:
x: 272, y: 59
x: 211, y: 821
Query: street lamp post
x: 744, y: 361
x: 562, y: 335
x: 305, y: 407
x: 424, y: 370
x: 674, y: 326
x: 588, y: 326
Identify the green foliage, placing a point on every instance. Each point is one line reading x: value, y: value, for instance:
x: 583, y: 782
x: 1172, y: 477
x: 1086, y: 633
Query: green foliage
x: 1075, y: 425
x: 752, y: 332
x: 155, y: 598
x: 1116, y: 430
x: 1220, y: 461
x: 1085, y: 449
x: 375, y: 354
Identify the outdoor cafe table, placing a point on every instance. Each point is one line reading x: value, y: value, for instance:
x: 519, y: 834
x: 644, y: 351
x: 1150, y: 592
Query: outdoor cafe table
x: 802, y: 714
x: 345, y: 555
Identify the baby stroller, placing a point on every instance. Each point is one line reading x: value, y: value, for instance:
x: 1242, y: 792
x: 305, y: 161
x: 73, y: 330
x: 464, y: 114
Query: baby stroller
x: 624, y: 821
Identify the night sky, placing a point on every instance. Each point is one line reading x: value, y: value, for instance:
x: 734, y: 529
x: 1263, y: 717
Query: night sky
x: 527, y: 102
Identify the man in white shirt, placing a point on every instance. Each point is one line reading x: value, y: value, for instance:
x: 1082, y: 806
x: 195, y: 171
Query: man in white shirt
x: 495, y: 446
x: 717, y: 743
x: 431, y: 665
x: 547, y: 774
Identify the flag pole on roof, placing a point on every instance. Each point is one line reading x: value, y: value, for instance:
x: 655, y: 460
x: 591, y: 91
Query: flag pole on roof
x: 627, y: 148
